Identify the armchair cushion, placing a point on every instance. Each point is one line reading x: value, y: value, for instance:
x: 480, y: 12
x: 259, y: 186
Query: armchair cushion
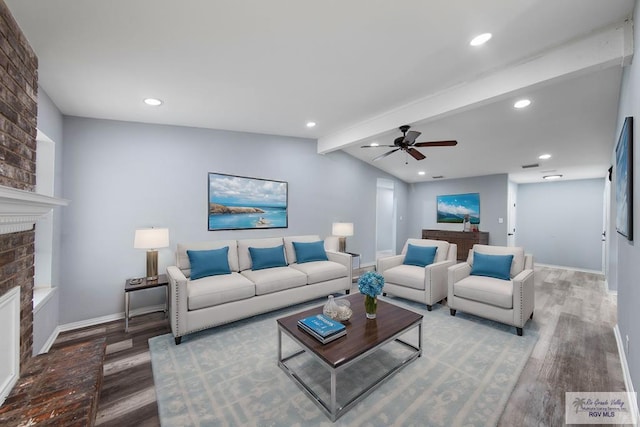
x: 262, y: 258
x: 498, y: 266
x: 410, y: 276
x: 209, y: 262
x: 420, y: 256
x: 487, y: 290
x: 310, y: 251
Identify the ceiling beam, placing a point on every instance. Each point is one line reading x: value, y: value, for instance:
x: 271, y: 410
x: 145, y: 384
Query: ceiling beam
x: 612, y: 46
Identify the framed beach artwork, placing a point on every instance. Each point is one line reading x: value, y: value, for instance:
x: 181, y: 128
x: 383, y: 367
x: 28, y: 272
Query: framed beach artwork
x: 453, y: 208
x: 624, y: 180
x: 240, y: 202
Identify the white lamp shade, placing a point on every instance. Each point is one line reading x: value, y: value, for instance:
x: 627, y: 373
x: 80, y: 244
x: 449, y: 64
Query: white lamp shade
x: 343, y: 229
x: 151, y: 238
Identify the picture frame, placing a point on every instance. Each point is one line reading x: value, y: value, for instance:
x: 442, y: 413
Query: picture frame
x: 624, y: 180
x: 452, y: 208
x: 240, y: 203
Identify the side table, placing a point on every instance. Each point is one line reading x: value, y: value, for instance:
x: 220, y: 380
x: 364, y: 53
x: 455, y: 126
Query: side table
x: 144, y: 284
x: 355, y: 265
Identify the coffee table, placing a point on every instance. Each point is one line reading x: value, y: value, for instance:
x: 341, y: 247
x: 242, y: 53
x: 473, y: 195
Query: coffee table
x: 363, y: 338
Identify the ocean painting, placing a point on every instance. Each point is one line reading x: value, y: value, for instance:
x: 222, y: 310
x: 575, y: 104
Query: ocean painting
x: 624, y: 180
x: 238, y: 202
x: 453, y: 208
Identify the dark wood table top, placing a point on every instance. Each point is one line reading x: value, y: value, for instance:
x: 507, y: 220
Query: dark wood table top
x: 362, y: 334
x: 162, y: 280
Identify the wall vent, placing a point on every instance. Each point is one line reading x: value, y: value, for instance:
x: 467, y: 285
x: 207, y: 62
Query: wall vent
x: 438, y: 177
x: 532, y: 165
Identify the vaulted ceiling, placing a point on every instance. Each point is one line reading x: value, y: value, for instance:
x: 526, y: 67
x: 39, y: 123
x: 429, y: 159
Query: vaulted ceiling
x: 359, y: 69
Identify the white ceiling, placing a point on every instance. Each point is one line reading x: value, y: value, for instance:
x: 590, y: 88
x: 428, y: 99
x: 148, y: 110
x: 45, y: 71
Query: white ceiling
x: 359, y: 68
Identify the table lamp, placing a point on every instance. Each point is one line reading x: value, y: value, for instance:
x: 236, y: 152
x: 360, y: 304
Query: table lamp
x: 151, y: 239
x: 342, y: 230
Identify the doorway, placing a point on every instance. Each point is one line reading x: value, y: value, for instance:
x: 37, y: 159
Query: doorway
x: 385, y: 218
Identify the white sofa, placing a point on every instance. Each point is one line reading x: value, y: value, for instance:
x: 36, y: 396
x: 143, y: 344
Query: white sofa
x: 215, y: 300
x: 509, y: 301
x: 426, y: 285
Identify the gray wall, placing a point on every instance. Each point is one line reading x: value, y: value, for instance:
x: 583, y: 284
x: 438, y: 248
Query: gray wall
x: 493, y: 205
x: 121, y: 176
x: 561, y: 223
x: 628, y: 253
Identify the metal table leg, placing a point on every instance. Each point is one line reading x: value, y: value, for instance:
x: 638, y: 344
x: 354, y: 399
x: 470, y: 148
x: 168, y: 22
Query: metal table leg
x: 126, y: 311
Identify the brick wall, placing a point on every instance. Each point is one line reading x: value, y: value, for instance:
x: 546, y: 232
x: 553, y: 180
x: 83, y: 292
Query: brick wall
x: 18, y: 115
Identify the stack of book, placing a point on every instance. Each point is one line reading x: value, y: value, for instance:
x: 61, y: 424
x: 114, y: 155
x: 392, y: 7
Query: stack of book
x: 322, y: 328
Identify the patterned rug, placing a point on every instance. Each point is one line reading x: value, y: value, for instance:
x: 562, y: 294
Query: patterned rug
x: 228, y: 376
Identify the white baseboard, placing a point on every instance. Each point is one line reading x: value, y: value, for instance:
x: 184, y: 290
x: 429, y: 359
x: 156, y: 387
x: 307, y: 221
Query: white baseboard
x: 96, y: 321
x: 628, y: 384
x: 564, y: 267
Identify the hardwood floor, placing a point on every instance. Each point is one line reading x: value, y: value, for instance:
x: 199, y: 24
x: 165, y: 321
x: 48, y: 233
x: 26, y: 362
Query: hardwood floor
x: 576, y: 351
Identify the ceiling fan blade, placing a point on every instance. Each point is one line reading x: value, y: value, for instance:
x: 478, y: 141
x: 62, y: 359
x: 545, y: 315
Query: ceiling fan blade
x: 411, y: 136
x: 376, y: 146
x: 436, y: 144
x: 415, y: 153
x: 382, y: 156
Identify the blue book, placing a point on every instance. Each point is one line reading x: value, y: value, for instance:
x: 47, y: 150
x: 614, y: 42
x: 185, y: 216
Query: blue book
x: 322, y: 325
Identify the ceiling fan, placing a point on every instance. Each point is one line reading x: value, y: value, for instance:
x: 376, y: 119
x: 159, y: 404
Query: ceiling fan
x: 407, y: 142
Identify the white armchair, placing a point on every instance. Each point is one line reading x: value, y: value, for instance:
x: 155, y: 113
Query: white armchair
x: 507, y: 301
x: 427, y: 285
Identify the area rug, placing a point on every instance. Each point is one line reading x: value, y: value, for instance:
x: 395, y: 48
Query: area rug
x: 228, y: 376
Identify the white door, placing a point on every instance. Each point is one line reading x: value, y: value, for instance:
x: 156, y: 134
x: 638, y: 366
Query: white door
x: 385, y: 218
x: 512, y: 196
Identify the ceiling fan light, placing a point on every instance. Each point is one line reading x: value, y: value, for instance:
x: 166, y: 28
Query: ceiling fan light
x: 480, y: 39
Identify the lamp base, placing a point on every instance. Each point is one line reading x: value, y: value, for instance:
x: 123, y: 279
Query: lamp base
x: 152, y: 265
x: 342, y: 244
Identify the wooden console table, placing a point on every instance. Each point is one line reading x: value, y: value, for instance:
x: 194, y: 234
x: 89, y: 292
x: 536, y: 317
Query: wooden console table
x: 464, y: 239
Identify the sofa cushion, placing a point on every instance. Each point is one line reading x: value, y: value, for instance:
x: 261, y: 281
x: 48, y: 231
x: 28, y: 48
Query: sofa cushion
x: 420, y: 256
x: 262, y: 258
x: 487, y: 290
x: 210, y: 262
x: 321, y: 271
x: 244, y: 258
x: 443, y: 247
x: 498, y: 266
x: 410, y: 276
x: 216, y: 290
x: 518, y: 255
x: 311, y: 251
x: 275, y: 279
x: 288, y: 245
x: 182, y: 259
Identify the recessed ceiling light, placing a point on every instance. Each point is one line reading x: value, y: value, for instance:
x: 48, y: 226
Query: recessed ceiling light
x: 544, y: 156
x: 421, y: 173
x: 154, y: 102
x: 374, y: 144
x: 551, y: 177
x: 311, y: 124
x: 522, y: 103
x: 481, y: 39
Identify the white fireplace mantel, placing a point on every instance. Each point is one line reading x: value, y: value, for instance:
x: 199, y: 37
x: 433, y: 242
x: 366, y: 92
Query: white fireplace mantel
x: 19, y: 209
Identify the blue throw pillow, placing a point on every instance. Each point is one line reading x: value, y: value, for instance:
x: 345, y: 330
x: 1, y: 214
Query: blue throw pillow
x: 498, y: 266
x: 307, y: 252
x: 209, y: 263
x: 420, y: 256
x: 267, y: 257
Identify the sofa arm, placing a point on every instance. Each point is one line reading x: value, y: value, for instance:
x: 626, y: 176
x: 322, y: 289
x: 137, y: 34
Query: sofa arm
x: 178, y: 301
x: 455, y: 273
x: 523, y: 297
x: 344, y: 259
x: 386, y: 263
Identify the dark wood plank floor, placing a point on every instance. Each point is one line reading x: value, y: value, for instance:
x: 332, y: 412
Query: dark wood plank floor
x: 576, y: 351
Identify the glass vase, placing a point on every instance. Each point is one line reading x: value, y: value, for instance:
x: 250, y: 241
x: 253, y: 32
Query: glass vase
x: 330, y: 309
x: 370, y: 306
